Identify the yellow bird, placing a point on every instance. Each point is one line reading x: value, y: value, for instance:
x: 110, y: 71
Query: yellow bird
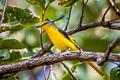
x: 62, y: 40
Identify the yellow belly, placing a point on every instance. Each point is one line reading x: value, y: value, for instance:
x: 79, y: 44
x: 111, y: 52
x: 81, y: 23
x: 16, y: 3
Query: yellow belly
x: 60, y: 41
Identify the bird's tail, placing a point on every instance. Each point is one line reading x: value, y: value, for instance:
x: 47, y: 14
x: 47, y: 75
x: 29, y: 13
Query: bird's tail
x: 94, y: 67
x: 76, y: 48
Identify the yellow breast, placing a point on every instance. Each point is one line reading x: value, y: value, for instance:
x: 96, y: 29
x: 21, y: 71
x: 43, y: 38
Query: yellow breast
x: 59, y: 40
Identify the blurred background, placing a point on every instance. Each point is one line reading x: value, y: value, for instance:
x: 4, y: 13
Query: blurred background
x: 95, y: 39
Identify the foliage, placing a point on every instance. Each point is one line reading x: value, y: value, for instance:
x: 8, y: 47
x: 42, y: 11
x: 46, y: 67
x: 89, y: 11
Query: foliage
x: 67, y: 3
x: 16, y: 15
x: 10, y: 44
x: 115, y: 73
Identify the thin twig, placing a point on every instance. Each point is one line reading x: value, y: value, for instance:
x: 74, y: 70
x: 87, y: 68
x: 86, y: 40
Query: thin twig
x: 82, y: 14
x: 3, y: 12
x: 68, y: 19
x: 112, y: 21
x: 111, y: 46
x: 103, y: 18
x: 41, y: 40
x: 44, y: 70
x: 41, y: 31
x: 70, y: 72
x: 112, y: 3
x: 44, y: 10
x: 50, y: 68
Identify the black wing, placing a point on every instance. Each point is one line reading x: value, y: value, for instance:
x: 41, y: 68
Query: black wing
x: 67, y: 36
x: 64, y: 33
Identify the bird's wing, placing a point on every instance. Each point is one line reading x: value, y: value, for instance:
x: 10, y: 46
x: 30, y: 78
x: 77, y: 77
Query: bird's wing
x: 73, y: 41
x: 69, y: 38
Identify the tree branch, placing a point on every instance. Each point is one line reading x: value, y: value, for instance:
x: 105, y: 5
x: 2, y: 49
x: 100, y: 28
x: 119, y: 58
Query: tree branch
x: 103, y: 18
x: 52, y: 59
x: 69, y: 70
x: 112, y: 3
x: 82, y: 14
x: 44, y: 50
x: 68, y: 18
x: 111, y: 46
x: 41, y: 31
x: 106, y: 24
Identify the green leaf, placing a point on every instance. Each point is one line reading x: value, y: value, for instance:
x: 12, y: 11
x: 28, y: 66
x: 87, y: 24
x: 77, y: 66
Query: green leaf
x: 76, y: 65
x: 67, y: 76
x: 14, y: 15
x: 14, y: 56
x: 11, y: 28
x: 17, y: 19
x: 115, y: 73
x: 9, y: 57
x: 15, y: 28
x: 40, y: 3
x: 11, y: 44
x: 5, y: 53
x: 67, y: 3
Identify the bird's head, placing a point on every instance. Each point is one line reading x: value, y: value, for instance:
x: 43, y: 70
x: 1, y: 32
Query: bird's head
x: 48, y: 23
x: 45, y: 24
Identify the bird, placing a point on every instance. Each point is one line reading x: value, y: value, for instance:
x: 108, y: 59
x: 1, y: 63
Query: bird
x: 62, y: 40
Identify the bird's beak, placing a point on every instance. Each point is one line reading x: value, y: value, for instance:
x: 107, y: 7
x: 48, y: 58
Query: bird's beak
x: 38, y: 26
